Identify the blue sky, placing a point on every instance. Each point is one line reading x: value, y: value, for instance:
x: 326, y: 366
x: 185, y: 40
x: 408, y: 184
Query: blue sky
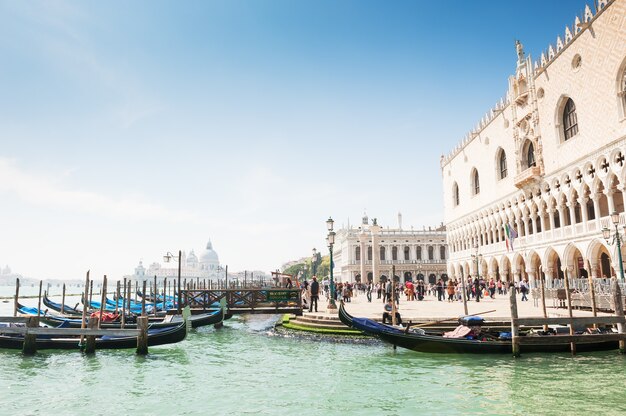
x: 128, y: 129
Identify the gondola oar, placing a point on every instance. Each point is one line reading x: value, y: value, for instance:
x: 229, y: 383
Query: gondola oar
x: 406, y: 331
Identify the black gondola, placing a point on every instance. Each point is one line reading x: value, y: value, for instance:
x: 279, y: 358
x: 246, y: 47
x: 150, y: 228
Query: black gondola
x: 156, y: 336
x: 67, y: 310
x: 209, y: 317
x: 487, y: 343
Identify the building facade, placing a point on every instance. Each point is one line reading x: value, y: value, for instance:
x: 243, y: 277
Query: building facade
x: 546, y: 162
x: 371, y: 251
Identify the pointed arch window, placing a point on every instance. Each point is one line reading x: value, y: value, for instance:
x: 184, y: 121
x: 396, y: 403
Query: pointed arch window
x: 530, y: 155
x: 570, y: 120
x: 502, y: 164
x: 455, y: 194
x: 475, y: 182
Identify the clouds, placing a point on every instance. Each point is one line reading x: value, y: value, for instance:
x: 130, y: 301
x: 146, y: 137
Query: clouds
x: 49, y: 190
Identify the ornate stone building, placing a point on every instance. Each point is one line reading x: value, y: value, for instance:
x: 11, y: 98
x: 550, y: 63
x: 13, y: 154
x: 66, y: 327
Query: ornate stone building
x: 547, y: 161
x: 371, y: 250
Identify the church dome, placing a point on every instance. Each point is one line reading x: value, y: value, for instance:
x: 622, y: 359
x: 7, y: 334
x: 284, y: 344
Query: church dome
x: 192, y: 260
x: 209, y: 256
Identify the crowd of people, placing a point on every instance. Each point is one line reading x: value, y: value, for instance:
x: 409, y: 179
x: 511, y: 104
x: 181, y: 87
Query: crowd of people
x: 450, y: 290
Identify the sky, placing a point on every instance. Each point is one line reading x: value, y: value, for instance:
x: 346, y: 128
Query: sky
x: 130, y: 129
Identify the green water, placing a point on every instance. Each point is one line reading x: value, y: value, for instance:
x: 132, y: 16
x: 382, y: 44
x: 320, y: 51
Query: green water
x: 244, y: 369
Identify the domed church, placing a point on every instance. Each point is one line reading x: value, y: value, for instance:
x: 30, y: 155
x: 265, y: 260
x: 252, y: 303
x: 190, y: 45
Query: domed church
x: 206, y: 265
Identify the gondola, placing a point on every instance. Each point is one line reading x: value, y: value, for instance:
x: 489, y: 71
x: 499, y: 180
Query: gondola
x: 156, y: 336
x: 67, y: 310
x: 487, y: 343
x: 209, y: 317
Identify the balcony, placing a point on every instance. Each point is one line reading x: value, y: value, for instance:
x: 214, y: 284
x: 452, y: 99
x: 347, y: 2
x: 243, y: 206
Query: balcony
x: 528, y: 177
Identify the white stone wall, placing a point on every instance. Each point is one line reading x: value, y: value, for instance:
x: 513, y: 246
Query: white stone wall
x: 583, y: 168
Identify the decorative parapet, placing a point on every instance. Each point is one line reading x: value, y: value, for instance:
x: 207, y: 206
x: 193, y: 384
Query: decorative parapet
x: 484, y: 122
x: 571, y: 33
x: 527, y: 177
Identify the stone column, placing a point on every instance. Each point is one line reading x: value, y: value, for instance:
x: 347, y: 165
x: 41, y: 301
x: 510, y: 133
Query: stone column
x: 551, y: 216
x: 572, y: 213
x: 549, y: 272
x: 596, y: 205
x: 363, y: 248
x: 559, y: 208
x: 375, y: 230
x: 525, y: 219
x: 532, y: 277
x: 609, y: 197
x: 583, y: 208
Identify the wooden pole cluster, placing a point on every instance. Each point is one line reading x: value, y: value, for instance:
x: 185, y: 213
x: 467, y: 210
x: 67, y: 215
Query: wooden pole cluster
x: 30, y: 340
x: 84, y: 316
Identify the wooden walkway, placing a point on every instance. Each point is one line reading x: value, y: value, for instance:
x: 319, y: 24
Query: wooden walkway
x: 246, y: 300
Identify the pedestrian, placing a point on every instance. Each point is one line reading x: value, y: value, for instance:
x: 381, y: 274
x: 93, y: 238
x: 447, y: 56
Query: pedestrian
x: 451, y: 289
x: 369, y: 292
x: 388, y: 289
x: 379, y: 290
x: 477, y: 289
x: 440, y: 296
x: 523, y: 288
x: 315, y: 292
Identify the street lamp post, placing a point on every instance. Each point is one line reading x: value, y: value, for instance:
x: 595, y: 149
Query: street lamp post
x: 617, y: 239
x: 167, y: 258
x: 331, y: 242
x: 478, y: 257
x: 314, y: 262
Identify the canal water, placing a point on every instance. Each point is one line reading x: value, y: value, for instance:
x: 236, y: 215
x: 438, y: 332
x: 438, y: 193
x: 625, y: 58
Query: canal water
x: 246, y: 368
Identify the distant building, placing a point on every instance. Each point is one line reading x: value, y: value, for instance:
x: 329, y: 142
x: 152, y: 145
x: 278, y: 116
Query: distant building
x: 207, y: 266
x: 371, y: 251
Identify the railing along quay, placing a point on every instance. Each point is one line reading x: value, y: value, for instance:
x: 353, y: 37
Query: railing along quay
x: 270, y: 300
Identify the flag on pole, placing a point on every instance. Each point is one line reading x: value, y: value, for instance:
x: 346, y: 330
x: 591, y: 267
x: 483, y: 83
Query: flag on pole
x: 511, y: 235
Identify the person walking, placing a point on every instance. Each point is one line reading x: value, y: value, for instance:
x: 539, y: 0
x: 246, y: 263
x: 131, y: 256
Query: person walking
x: 315, y: 292
x: 477, y: 289
x: 369, y: 292
x: 451, y: 289
x: 523, y: 288
x: 440, y: 296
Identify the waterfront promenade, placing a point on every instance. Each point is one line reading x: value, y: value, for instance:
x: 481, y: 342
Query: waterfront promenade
x: 432, y: 309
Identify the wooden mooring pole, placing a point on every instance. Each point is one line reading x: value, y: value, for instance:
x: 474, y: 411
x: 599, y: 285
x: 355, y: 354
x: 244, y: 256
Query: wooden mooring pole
x: 104, y: 298
x: 542, y: 280
x: 63, y: 301
x: 143, y: 300
x: 618, y: 304
x: 142, y: 338
x: 569, y: 310
x: 39, y: 299
x: 124, y: 306
x: 90, y: 342
x: 514, y: 324
x: 30, y: 340
x: 17, y: 296
x: 84, y: 317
